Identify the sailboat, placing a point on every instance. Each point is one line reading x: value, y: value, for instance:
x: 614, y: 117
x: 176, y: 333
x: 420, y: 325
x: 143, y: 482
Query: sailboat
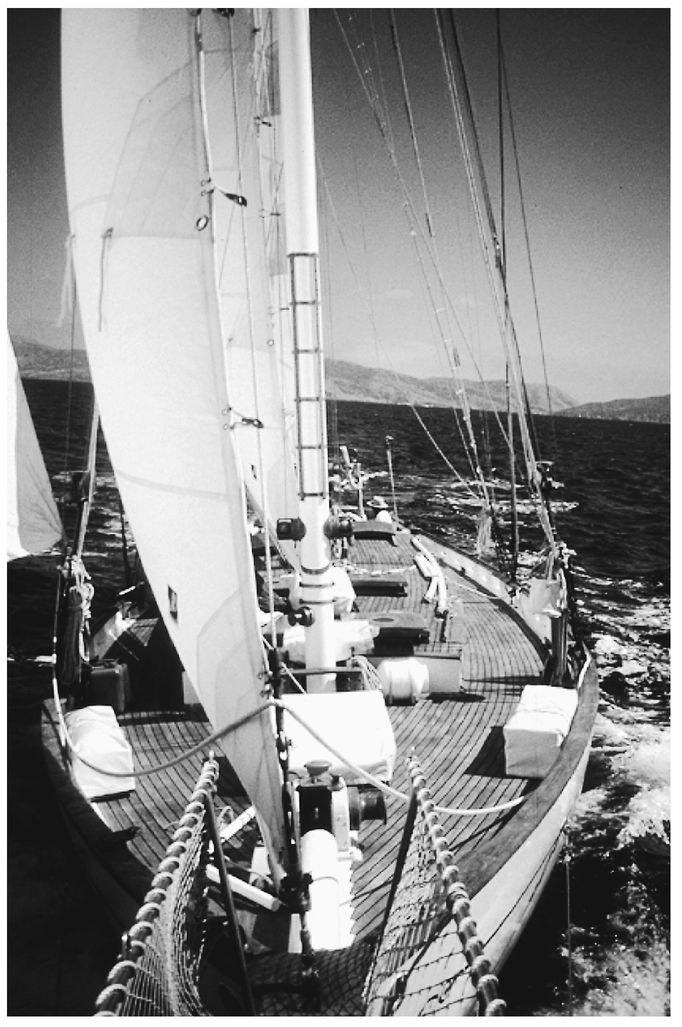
x: 33, y: 522
x: 315, y: 762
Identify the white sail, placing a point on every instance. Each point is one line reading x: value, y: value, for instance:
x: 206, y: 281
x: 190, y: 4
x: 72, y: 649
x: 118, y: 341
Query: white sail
x: 33, y: 523
x: 141, y: 218
x: 246, y: 176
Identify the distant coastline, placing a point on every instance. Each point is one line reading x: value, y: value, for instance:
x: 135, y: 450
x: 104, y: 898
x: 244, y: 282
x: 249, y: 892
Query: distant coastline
x: 49, y: 362
x: 653, y: 409
x: 347, y: 381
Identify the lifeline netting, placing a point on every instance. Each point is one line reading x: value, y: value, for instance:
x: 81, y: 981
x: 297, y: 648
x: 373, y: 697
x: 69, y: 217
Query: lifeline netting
x: 157, y: 974
x: 430, y: 960
x: 162, y: 970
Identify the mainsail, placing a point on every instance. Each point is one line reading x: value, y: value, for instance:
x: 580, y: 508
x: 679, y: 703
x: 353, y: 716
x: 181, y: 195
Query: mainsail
x: 33, y: 523
x: 142, y: 223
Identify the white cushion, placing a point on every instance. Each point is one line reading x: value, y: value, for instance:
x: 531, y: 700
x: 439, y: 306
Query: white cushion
x: 97, y: 736
x: 356, y: 724
x: 536, y: 730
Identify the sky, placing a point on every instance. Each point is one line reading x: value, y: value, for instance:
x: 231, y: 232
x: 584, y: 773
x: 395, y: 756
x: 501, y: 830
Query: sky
x: 589, y: 90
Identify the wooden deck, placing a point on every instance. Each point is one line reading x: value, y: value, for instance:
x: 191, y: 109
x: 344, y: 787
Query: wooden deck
x: 457, y: 740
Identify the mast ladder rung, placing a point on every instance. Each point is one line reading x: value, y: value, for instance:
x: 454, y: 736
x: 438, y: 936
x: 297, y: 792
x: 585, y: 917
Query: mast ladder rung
x: 309, y: 374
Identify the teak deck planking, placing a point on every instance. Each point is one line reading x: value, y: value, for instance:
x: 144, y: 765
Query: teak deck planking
x: 458, y: 740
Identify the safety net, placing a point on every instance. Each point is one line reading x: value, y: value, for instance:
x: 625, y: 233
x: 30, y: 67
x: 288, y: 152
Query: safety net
x: 430, y: 960
x: 162, y: 954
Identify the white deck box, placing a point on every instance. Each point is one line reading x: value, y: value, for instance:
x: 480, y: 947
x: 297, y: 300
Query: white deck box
x: 536, y: 730
x: 97, y: 736
x: 356, y: 724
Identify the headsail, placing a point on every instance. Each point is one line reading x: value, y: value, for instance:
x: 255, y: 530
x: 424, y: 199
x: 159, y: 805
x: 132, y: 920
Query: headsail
x: 33, y: 523
x: 246, y: 176
x: 141, y: 216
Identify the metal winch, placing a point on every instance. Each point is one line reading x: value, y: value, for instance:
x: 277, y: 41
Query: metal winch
x: 327, y: 803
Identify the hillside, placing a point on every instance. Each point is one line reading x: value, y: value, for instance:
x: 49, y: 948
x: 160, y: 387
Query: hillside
x: 654, y: 408
x: 37, y: 361
x: 373, y: 385
x: 344, y: 381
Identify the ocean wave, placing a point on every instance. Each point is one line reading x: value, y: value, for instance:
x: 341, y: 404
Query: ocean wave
x: 646, y: 762
x: 636, y: 791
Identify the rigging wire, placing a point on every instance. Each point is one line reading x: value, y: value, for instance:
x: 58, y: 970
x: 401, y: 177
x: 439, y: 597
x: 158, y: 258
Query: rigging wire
x: 78, y: 494
x: 252, y: 332
x: 503, y: 228
x: 487, y: 493
x: 461, y: 96
x: 91, y: 463
x: 524, y: 221
x: 440, y: 309
x: 366, y: 79
x: 463, y: 112
x: 428, y: 244
x: 378, y: 343
x: 237, y: 225
x: 72, y: 344
x: 414, y: 222
x: 271, y: 171
x: 444, y: 330
x: 368, y: 294
x: 127, y: 569
x: 332, y: 402
x: 367, y: 82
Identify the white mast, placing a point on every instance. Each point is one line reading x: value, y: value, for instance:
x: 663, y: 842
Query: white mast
x: 303, y: 257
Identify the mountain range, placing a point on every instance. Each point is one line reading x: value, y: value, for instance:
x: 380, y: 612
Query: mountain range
x: 347, y: 381
x: 375, y: 385
x: 38, y: 361
x: 653, y: 408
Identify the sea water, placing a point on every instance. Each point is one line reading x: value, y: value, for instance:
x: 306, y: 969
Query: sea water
x: 598, y: 941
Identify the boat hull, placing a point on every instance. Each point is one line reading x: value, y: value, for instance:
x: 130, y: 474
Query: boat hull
x: 504, y: 858
x: 504, y: 880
